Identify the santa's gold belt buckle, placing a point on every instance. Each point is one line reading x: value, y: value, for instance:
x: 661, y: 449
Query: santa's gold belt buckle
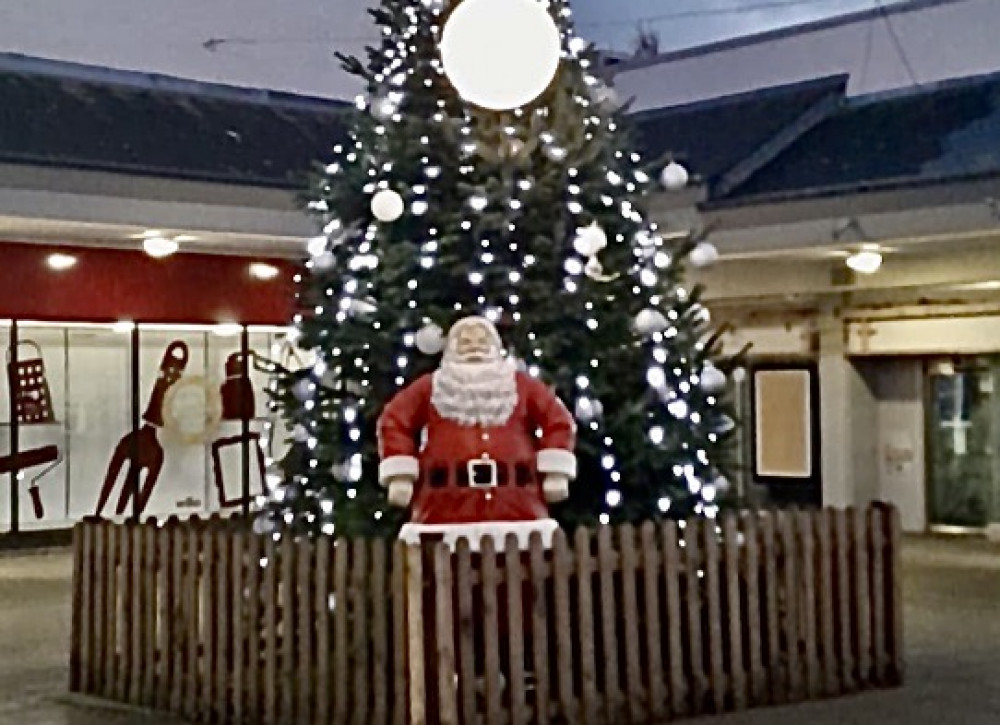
x: 483, y: 473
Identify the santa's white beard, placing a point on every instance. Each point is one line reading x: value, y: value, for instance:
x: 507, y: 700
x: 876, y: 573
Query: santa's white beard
x: 475, y: 393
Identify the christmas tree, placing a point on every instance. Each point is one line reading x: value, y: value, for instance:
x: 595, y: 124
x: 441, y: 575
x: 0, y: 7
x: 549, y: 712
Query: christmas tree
x: 488, y: 170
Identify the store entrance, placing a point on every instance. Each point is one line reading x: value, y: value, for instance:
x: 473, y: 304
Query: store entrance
x: 963, y: 435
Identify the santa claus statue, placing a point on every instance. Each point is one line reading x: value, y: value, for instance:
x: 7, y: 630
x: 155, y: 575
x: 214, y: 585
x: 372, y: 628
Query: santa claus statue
x: 477, y: 447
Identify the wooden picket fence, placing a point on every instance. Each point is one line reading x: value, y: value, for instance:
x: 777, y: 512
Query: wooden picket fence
x: 640, y: 625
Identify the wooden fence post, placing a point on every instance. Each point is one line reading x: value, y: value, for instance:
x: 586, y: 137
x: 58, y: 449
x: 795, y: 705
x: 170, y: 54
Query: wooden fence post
x: 491, y: 634
x: 445, y: 635
x: 76, y: 632
x: 400, y: 634
x: 654, y: 632
x: 466, y: 631
x: 778, y: 689
x: 515, y: 629
x: 585, y: 611
x: 415, y: 635
x: 808, y: 610
x: 876, y: 544
x: 737, y: 618
x: 717, y: 684
x: 755, y: 617
x: 307, y: 626
x: 862, y: 610
x: 793, y: 663
x: 539, y: 630
x: 359, y: 626
x: 842, y: 558
x: 561, y: 572
x: 627, y: 611
x: 680, y: 686
x: 380, y: 633
x: 827, y: 596
x: 609, y: 634
x: 697, y: 678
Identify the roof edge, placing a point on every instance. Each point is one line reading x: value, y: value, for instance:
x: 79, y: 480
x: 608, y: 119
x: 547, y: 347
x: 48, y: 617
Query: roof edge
x: 161, y: 83
x: 778, y: 33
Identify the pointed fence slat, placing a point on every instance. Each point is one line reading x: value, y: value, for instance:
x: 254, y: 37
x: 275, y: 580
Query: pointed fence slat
x: 672, y: 569
x: 321, y: 613
x: 777, y: 689
x: 754, y: 619
x: 466, y: 626
x: 400, y: 694
x: 609, y: 635
x: 718, y: 684
x: 790, y: 618
x: 515, y: 630
x: 650, y: 562
x: 341, y: 647
x: 826, y: 587
x: 220, y: 625
x: 539, y: 630
x: 628, y: 612
x: 809, y: 611
x: 842, y: 600
x: 585, y: 612
x: 303, y: 656
x: 862, y: 609
x: 876, y: 535
x: 562, y: 569
x: 380, y: 633
x: 734, y: 610
x: 694, y: 572
x: 445, y: 631
x: 491, y: 636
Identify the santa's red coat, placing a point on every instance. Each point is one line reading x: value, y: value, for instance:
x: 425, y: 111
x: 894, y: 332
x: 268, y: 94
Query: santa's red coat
x: 442, y: 494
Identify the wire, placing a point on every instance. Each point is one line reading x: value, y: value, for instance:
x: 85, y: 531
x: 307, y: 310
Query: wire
x: 900, y: 50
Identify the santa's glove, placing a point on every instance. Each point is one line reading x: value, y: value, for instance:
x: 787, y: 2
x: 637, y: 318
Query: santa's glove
x: 400, y: 491
x: 555, y: 487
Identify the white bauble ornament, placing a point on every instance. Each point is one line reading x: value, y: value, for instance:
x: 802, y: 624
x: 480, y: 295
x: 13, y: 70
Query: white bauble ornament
x: 590, y: 240
x: 704, y: 255
x: 500, y: 54
x: 713, y: 380
x: 387, y: 205
x: 300, y: 434
x: 721, y: 484
x: 587, y: 409
x: 430, y: 340
x: 264, y: 525
x: 674, y: 177
x: 649, y: 322
x: 302, y: 390
x: 324, y: 261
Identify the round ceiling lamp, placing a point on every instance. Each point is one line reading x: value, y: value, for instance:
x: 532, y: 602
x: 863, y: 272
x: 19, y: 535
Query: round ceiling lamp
x: 500, y: 54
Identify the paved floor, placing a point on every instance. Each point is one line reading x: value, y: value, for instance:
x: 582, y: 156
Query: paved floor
x: 952, y: 591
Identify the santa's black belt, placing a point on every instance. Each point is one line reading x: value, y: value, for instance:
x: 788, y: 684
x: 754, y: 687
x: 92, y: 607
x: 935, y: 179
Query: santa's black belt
x: 517, y: 474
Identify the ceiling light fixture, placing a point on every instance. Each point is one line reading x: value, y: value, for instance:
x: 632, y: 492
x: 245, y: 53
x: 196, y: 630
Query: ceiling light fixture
x: 867, y: 261
x: 227, y: 329
x: 263, y: 271
x: 61, y: 262
x: 160, y: 247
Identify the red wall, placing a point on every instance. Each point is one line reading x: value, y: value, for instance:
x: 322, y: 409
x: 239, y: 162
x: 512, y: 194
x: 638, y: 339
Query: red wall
x: 107, y: 285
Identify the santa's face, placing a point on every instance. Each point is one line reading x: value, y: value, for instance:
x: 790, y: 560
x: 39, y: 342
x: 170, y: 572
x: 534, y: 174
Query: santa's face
x: 474, y: 344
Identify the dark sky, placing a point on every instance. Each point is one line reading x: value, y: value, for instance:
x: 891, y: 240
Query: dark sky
x: 685, y: 23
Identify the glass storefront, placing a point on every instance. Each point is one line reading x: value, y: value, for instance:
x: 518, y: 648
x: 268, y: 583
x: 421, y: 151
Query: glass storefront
x: 963, y: 435
x: 118, y: 421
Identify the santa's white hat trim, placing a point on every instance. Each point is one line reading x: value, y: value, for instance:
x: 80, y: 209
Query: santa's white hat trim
x: 557, y: 461
x: 497, y: 530
x: 396, y: 466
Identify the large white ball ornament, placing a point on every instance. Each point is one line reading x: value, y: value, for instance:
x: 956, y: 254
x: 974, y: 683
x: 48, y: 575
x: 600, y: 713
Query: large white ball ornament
x: 674, y: 177
x: 713, y: 380
x: 387, y: 205
x: 704, y: 255
x: 429, y: 340
x: 500, y: 54
x: 590, y: 240
x: 649, y: 322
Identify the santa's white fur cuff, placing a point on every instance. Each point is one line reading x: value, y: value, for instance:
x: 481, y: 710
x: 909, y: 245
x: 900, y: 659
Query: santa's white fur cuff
x: 557, y: 460
x: 396, y: 466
